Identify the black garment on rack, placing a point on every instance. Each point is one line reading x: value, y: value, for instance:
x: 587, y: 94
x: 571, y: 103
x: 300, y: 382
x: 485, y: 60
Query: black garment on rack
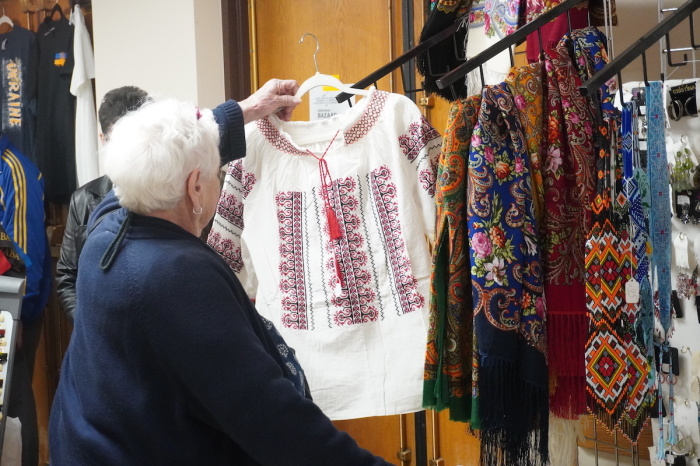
x: 55, y: 148
x: 18, y: 81
x: 449, y: 53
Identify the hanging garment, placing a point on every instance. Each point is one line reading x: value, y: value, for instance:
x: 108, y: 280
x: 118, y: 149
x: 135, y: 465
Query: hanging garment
x: 18, y: 58
x: 525, y: 84
x: 509, y: 307
x: 448, y: 53
x: 549, y: 34
x: 22, y: 217
x: 660, y: 214
x: 495, y: 70
x: 86, y: 159
x: 501, y: 17
x: 328, y: 226
x: 448, y: 368
x: 568, y: 173
x: 639, y: 360
x: 55, y: 146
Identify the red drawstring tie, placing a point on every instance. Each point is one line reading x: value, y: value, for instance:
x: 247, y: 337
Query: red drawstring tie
x: 326, y: 185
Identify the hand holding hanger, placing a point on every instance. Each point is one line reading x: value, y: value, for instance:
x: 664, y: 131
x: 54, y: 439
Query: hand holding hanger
x: 275, y: 96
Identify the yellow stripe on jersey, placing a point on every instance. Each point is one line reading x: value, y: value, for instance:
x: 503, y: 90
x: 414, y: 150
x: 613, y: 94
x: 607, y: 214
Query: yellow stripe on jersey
x: 20, y: 182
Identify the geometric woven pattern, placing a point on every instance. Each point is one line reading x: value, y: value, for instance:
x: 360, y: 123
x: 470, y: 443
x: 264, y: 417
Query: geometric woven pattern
x: 607, y: 369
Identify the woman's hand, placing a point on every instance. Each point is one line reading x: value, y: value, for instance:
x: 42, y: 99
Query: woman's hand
x: 275, y: 96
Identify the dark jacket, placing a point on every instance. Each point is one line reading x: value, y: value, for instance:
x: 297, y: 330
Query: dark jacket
x: 82, y: 204
x: 84, y: 200
x: 173, y: 365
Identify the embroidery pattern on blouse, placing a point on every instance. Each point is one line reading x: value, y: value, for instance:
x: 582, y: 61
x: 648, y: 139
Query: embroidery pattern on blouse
x: 290, y: 208
x: 230, y: 208
x: 356, y: 297
x: 404, y: 283
x: 419, y: 135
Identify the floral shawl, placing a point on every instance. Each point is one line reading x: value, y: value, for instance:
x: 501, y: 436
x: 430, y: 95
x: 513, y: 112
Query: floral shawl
x: 448, y: 370
x: 509, y: 307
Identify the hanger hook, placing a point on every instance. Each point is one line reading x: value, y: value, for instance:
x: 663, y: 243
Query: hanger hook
x: 318, y: 46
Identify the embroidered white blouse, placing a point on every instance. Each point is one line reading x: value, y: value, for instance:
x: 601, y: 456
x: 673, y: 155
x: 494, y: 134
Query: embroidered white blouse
x: 341, y: 266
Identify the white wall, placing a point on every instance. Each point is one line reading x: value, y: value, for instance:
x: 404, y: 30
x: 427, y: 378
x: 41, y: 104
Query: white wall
x: 170, y: 48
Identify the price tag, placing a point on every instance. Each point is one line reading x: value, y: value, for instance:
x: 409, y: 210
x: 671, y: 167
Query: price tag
x: 632, y: 291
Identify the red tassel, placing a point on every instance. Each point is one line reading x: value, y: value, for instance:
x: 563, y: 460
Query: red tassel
x: 333, y: 226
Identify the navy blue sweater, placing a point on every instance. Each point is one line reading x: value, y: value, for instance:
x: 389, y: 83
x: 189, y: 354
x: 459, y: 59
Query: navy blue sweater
x: 170, y: 363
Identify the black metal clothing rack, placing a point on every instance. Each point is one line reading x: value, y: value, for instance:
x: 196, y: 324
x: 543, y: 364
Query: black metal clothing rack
x: 638, y: 48
x: 508, y: 41
x: 400, y: 60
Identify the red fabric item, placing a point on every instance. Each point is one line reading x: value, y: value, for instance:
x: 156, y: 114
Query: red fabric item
x: 4, y: 263
x: 553, y: 31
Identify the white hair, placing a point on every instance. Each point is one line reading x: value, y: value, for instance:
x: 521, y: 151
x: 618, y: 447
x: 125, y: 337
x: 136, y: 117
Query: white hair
x: 152, y: 150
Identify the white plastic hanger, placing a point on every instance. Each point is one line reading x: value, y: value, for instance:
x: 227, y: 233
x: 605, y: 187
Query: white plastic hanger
x: 4, y: 19
x: 320, y: 79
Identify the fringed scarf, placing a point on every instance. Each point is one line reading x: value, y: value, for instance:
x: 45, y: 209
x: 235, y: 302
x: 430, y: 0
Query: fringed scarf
x: 447, y: 54
x: 568, y: 170
x: 509, y: 308
x: 448, y: 369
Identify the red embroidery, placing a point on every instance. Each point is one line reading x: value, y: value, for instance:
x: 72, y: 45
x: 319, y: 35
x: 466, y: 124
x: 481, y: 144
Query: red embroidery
x: 419, y: 134
x: 370, y: 116
x: 245, y: 179
x: 428, y: 177
x: 357, y: 131
x: 356, y: 297
x: 227, y: 249
x: 292, y: 284
x: 384, y: 192
x: 230, y: 208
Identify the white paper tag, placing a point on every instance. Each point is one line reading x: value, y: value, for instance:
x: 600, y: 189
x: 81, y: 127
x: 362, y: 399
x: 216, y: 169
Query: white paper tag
x: 632, y: 291
x: 680, y: 245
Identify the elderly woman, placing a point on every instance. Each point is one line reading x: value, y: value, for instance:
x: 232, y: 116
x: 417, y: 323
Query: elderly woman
x: 169, y: 362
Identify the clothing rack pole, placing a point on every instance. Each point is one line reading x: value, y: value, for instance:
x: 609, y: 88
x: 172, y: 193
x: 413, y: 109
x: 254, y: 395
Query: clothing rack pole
x: 636, y: 49
x: 400, y: 60
x: 517, y: 37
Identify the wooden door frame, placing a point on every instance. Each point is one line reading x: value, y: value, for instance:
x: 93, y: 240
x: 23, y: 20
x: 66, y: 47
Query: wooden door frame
x: 235, y: 29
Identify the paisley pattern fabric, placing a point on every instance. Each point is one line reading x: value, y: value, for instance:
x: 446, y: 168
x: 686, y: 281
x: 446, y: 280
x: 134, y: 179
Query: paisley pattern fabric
x: 448, y: 368
x: 507, y: 289
x: 568, y: 174
x: 525, y: 84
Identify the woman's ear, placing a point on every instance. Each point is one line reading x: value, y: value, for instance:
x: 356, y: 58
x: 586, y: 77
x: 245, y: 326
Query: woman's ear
x: 195, y: 187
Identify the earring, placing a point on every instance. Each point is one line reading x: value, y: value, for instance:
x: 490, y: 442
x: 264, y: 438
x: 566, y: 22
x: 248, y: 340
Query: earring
x: 198, y: 212
x: 689, y: 100
x: 675, y: 110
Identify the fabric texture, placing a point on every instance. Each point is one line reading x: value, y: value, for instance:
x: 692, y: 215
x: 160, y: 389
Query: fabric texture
x: 447, y: 54
x: 568, y: 177
x: 509, y: 307
x: 448, y: 369
x: 86, y: 159
x: 252, y: 412
x: 343, y: 267
x: 22, y: 217
x: 525, y: 84
x: 18, y: 58
x: 660, y: 216
x: 55, y: 146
